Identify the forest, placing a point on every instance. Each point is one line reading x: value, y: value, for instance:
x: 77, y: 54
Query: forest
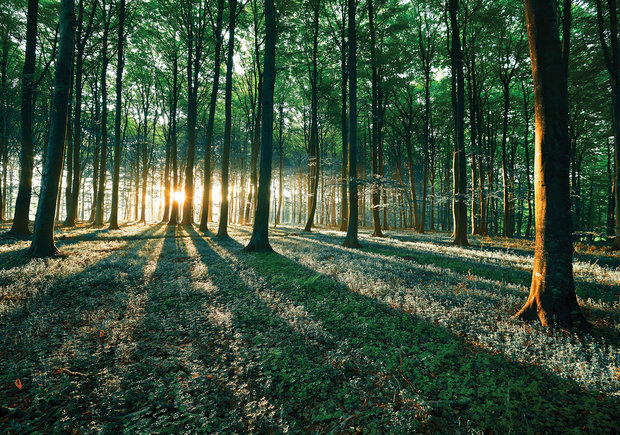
x: 316, y: 216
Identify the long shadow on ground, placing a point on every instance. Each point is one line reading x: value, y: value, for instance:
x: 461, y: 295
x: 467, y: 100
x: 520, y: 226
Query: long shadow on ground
x: 60, y: 344
x: 490, y: 391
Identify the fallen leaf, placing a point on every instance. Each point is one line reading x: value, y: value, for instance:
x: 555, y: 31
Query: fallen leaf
x: 18, y: 383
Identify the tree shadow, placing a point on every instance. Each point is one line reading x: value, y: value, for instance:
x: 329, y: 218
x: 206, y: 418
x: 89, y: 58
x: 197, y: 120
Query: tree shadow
x: 458, y: 380
x: 61, y: 341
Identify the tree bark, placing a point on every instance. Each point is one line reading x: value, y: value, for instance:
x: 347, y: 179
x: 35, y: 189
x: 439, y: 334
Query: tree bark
x: 460, y: 174
x: 351, y: 240
x: 260, y: 235
x: 552, y: 296
x: 117, y: 122
x: 43, y: 238
x: 22, y: 204
x: 223, y: 226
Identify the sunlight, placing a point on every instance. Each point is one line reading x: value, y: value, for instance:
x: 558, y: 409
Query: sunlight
x: 178, y: 196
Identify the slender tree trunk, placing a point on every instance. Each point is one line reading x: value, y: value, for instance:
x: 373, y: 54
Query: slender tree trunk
x: 204, y: 215
x: 117, y: 122
x: 611, y: 52
x: 351, y: 240
x: 22, y: 204
x: 344, y: 205
x: 174, y: 211
x: 223, y: 226
x: 460, y: 174
x: 552, y: 296
x: 260, y: 234
x: 104, y: 121
x: 43, y: 239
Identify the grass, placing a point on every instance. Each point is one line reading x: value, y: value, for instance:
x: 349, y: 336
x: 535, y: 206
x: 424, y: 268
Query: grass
x: 157, y: 329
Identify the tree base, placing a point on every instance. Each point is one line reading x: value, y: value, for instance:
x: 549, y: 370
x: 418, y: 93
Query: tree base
x: 353, y: 244
x: 44, y: 251
x: 556, y: 315
x: 616, y: 245
x: 259, y: 244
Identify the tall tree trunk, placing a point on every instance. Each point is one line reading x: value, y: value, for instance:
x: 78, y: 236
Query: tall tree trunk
x: 260, y: 234
x: 460, y: 174
x: 351, y: 240
x: 174, y: 211
x: 344, y: 205
x: 22, y: 204
x: 374, y: 147
x: 104, y: 120
x: 611, y: 52
x: 204, y: 215
x: 43, y: 239
x: 117, y: 121
x: 526, y: 114
x: 313, y: 146
x: 223, y: 226
x: 280, y: 157
x: 552, y: 296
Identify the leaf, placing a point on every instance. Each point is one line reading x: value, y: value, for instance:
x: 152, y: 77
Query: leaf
x: 18, y: 384
x: 101, y: 333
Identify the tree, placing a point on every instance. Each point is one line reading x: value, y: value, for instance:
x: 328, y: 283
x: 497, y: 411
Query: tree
x: 223, y: 226
x: 43, y: 238
x: 117, y: 117
x: 351, y: 240
x: 83, y: 34
x: 204, y: 213
x: 459, y: 201
x: 552, y: 296
x: 22, y: 204
x: 611, y: 52
x: 260, y: 235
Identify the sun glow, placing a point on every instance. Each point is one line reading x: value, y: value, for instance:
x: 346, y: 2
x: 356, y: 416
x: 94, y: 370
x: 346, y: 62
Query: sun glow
x: 178, y: 196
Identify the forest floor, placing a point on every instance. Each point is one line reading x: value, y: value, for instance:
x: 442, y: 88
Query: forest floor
x: 160, y: 329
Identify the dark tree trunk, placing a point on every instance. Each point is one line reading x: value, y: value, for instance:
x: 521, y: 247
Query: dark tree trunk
x: 611, y: 52
x: 260, y: 235
x: 344, y: 205
x: 204, y: 214
x: 460, y: 173
x: 351, y: 240
x: 552, y: 296
x: 174, y: 212
x: 280, y: 157
x: 104, y: 119
x: 313, y: 146
x: 223, y: 226
x: 374, y: 147
x: 117, y: 121
x: 43, y: 239
x: 22, y: 204
x: 82, y: 36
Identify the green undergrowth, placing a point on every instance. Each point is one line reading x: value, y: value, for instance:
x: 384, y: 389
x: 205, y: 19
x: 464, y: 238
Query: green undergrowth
x: 460, y: 382
x: 164, y: 330
x: 502, y: 273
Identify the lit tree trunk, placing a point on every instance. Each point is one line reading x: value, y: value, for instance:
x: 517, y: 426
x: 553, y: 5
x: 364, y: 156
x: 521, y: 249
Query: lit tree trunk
x: 22, y: 204
x: 526, y: 114
x: 552, y: 295
x: 223, y: 226
x: 260, y: 234
x: 351, y: 240
x: 460, y: 174
x: 117, y: 122
x: 43, y: 239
